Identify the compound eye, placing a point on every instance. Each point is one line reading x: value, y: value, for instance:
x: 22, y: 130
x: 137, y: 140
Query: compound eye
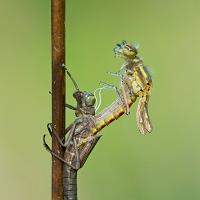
x: 131, y: 51
x: 128, y: 48
x: 78, y: 95
x: 90, y: 100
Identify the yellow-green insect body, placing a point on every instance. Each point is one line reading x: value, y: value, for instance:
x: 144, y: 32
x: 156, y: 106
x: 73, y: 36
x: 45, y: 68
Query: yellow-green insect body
x: 139, y: 82
x: 142, y: 85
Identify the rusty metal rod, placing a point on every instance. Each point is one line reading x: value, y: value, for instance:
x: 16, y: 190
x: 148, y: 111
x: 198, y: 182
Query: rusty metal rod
x: 58, y: 91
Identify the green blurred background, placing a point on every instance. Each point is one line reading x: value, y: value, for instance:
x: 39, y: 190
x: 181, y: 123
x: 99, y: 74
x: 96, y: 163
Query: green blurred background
x: 124, y: 164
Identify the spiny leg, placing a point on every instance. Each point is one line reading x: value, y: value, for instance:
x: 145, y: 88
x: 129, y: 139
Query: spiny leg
x: 71, y: 133
x: 54, y: 154
x: 49, y: 127
x: 70, y: 106
x: 66, y: 105
x: 70, y: 76
x: 50, y: 151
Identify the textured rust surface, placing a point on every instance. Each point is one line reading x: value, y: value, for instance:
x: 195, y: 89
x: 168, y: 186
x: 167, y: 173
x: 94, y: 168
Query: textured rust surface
x: 58, y: 91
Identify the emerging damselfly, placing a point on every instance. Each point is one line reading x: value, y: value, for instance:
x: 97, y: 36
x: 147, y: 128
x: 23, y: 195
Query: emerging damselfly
x: 83, y: 133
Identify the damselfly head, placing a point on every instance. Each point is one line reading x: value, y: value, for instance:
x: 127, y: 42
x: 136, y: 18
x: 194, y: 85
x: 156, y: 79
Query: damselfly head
x: 125, y: 50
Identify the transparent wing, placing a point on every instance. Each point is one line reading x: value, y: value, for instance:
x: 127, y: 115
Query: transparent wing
x: 136, y: 45
x: 142, y: 116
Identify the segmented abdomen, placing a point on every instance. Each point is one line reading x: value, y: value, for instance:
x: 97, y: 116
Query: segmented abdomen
x: 69, y: 183
x: 111, y: 113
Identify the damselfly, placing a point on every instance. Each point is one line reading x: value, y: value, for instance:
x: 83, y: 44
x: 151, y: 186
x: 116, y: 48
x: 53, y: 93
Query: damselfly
x: 83, y: 133
x: 135, y: 81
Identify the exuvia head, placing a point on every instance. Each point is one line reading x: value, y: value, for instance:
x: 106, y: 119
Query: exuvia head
x: 84, y: 98
x: 125, y: 50
x: 85, y: 102
x: 89, y: 99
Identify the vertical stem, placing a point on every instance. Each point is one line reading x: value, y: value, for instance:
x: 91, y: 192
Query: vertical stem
x: 58, y: 91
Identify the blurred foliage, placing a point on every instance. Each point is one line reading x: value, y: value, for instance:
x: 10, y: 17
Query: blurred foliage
x: 124, y: 165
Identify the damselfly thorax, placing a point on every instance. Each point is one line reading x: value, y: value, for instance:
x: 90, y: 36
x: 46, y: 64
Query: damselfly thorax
x: 140, y: 79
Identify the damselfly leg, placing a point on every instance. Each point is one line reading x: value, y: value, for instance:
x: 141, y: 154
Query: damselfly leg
x: 118, y: 74
x: 121, y: 74
x: 110, y: 86
x: 123, y: 96
x: 125, y: 99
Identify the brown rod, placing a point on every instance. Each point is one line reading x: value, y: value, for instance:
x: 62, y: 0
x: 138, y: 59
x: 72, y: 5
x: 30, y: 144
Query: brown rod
x: 58, y: 91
